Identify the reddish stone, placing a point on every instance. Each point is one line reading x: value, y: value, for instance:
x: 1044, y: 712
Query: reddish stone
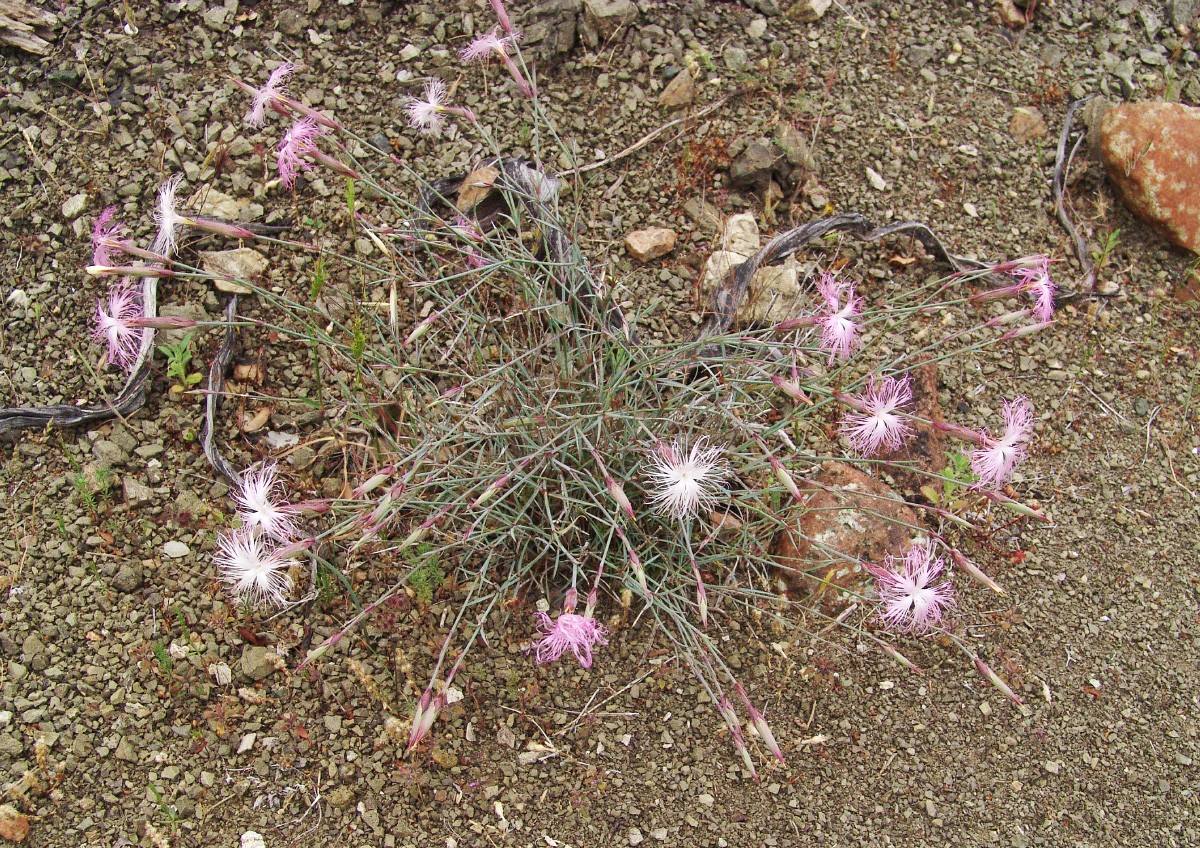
x: 849, y: 513
x: 14, y: 826
x: 1027, y: 124
x: 1152, y: 153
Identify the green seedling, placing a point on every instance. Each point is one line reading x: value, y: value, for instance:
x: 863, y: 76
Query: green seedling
x: 179, y: 360
x: 426, y: 576
x: 956, y: 479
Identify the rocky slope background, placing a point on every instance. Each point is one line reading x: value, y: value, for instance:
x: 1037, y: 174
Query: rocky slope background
x: 139, y: 707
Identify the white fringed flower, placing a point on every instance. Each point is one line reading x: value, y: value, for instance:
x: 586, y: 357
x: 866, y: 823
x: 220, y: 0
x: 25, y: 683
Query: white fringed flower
x: 169, y: 221
x: 261, y: 506
x: 254, y: 572
x: 683, y: 481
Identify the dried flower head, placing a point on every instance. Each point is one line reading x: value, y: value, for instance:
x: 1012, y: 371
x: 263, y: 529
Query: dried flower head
x: 912, y: 603
x: 254, y: 573
x: 839, y: 332
x: 115, y: 327
x: 105, y: 244
x: 426, y: 115
x: 874, y: 424
x: 269, y: 94
x: 685, y: 481
x: 577, y: 632
x: 994, y: 462
x: 167, y: 218
x: 260, y: 505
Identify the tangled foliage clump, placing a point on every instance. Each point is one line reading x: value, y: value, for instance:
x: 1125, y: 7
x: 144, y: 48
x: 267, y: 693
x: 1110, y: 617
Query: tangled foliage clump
x: 515, y: 431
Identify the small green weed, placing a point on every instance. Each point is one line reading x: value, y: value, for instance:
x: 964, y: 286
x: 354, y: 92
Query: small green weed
x: 163, y: 656
x: 318, y: 280
x: 179, y: 360
x: 1102, y: 255
x: 956, y: 477
x: 426, y: 576
x: 168, y: 815
x: 183, y: 628
x: 92, y: 488
x: 83, y: 492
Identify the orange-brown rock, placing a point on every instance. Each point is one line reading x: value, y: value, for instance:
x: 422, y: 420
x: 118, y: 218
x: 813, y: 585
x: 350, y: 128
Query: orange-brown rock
x: 14, y: 826
x: 1027, y: 124
x: 847, y: 519
x: 1152, y: 154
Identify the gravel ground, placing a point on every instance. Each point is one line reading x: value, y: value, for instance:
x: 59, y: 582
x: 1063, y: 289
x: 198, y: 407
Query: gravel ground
x: 138, y: 705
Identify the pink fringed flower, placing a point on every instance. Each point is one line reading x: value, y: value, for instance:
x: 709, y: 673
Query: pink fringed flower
x: 682, y: 481
x: 488, y: 45
x: 577, y: 632
x: 912, y: 602
x: 260, y: 505
x: 255, y: 573
x: 426, y: 115
x: 839, y: 332
x: 1035, y: 280
x: 874, y: 425
x: 115, y: 324
x: 269, y: 94
x: 298, y: 142
x: 995, y: 460
x: 492, y: 44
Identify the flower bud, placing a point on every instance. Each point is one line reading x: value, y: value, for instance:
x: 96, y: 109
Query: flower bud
x: 993, y: 678
x: 791, y: 390
x: 618, y: 494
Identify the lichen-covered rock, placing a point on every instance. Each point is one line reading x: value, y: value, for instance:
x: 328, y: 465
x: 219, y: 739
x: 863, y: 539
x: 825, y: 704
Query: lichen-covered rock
x: 847, y: 519
x: 754, y: 165
x: 776, y: 291
x: 679, y: 92
x: 605, y: 19
x: 1152, y: 154
x: 549, y: 27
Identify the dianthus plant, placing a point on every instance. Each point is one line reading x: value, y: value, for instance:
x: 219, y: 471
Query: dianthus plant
x: 512, y: 424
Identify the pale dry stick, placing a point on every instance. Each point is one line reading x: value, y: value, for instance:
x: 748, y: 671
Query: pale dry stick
x: 214, y: 394
x: 1106, y: 407
x: 551, y: 750
x: 1171, y: 466
x: 646, y: 139
x: 1062, y: 165
x: 852, y: 19
x: 23, y: 25
x: 1149, y: 425
x: 316, y: 802
x: 583, y: 714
